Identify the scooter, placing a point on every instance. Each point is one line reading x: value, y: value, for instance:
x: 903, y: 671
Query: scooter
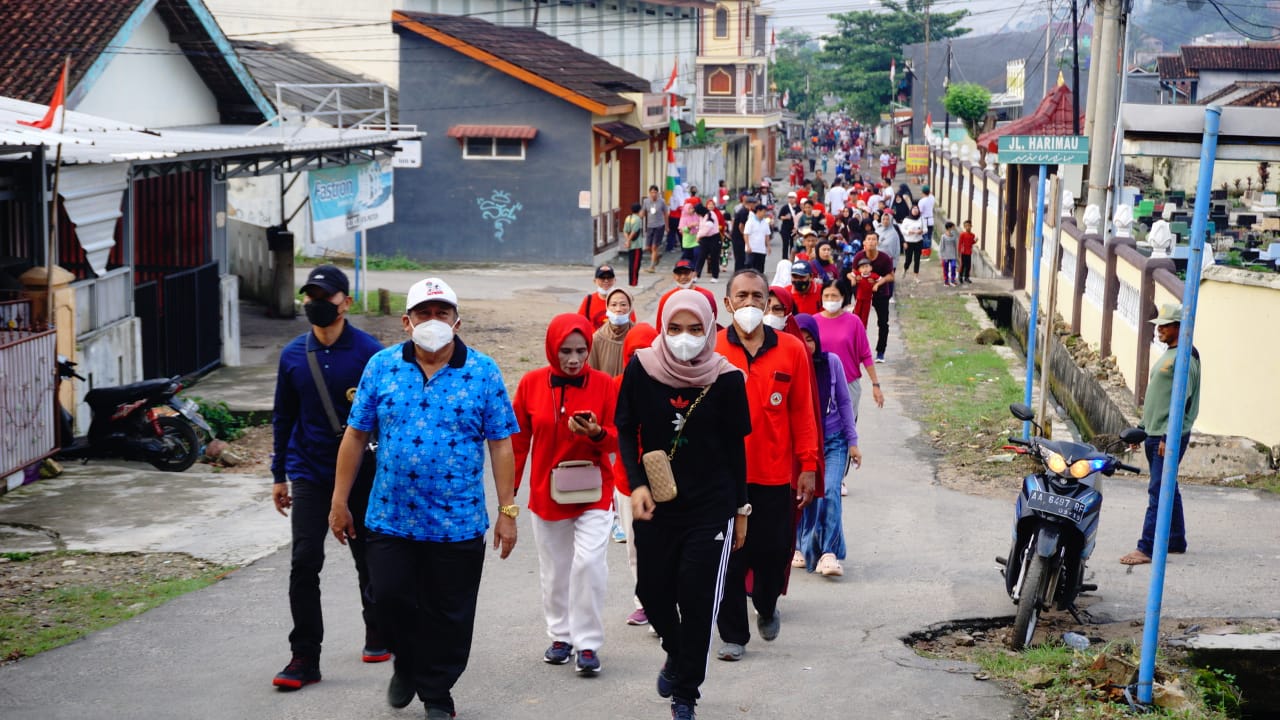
x: 126, y: 424
x: 1055, y: 524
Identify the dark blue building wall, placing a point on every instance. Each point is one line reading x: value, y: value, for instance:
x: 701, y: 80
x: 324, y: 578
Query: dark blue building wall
x: 441, y: 207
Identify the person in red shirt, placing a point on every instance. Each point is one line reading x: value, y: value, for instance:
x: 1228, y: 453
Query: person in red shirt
x: 806, y: 293
x: 683, y: 276
x: 967, y: 241
x: 784, y: 430
x: 565, y: 411
x: 594, y: 307
x: 641, y: 336
x: 864, y: 289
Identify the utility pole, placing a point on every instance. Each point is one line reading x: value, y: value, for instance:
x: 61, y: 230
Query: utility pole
x: 946, y: 85
x: 1095, y: 44
x: 1075, y: 68
x: 1048, y: 26
x: 925, y: 104
x: 1104, y: 112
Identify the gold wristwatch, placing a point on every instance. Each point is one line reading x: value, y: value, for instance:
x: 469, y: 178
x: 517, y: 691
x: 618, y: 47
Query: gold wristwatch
x: 510, y: 511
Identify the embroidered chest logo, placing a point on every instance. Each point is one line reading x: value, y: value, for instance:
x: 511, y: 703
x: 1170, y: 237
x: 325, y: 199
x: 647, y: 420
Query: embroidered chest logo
x: 775, y: 399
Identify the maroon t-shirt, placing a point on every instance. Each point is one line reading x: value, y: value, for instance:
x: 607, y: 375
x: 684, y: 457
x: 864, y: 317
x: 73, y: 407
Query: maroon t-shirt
x: 881, y: 265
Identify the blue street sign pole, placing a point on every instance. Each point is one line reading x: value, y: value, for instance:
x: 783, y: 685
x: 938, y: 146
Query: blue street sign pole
x: 1035, y: 296
x: 1177, y: 405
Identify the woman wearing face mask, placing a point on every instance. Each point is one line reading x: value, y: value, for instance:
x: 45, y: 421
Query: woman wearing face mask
x: 565, y: 412
x: 844, y: 334
x: 606, y: 346
x: 780, y: 309
x: 820, y: 534
x: 913, y: 237
x: 680, y: 396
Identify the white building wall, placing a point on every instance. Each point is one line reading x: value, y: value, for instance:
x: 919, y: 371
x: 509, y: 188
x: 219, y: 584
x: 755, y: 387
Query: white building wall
x: 150, y: 82
x: 109, y: 357
x: 619, y: 31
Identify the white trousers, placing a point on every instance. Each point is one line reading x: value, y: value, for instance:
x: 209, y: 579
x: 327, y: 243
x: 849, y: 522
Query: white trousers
x: 622, y: 503
x: 574, y: 573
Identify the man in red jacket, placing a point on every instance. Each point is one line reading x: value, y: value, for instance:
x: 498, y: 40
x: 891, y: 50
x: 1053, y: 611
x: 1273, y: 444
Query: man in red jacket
x: 784, y: 429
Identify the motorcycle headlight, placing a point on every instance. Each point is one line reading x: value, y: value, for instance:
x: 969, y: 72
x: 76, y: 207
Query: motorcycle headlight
x: 1083, y: 468
x: 1056, y: 463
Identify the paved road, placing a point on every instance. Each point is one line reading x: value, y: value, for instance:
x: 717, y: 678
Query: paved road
x: 919, y: 554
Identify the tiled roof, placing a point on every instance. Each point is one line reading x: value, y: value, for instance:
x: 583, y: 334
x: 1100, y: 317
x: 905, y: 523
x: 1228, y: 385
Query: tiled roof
x: 1172, y: 68
x: 1263, y: 97
x: 1051, y: 117
x: 36, y: 35
x: 622, y: 131
x: 34, y: 40
x: 1249, y: 58
x: 1234, y: 91
x: 556, y: 66
x: 506, y: 132
x: 272, y: 63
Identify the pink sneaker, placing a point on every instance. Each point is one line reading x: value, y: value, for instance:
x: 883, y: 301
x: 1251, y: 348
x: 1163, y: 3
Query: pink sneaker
x: 638, y: 618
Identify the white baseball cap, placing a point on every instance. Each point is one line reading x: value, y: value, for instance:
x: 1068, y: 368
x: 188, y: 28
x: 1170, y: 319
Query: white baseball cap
x: 431, y: 289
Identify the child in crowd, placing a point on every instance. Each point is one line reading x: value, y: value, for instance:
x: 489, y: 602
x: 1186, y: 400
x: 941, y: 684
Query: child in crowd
x: 965, y: 246
x: 947, y: 251
x: 864, y: 289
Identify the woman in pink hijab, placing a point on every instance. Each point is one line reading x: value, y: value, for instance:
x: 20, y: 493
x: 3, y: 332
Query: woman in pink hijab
x: 684, y: 399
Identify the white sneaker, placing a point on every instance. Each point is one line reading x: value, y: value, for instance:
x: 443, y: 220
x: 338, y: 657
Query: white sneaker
x: 829, y: 566
x: 715, y: 280
x: 797, y: 560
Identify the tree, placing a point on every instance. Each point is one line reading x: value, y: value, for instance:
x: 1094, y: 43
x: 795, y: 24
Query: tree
x: 969, y: 102
x: 795, y: 70
x: 857, y: 58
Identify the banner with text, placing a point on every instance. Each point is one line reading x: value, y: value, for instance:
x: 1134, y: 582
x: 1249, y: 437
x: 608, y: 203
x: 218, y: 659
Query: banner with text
x: 917, y: 159
x: 350, y: 198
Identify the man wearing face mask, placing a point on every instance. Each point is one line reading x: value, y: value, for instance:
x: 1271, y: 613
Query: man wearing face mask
x: 683, y: 275
x: 595, y: 306
x: 434, y: 405
x: 806, y: 293
x: 306, y: 451
x: 784, y: 429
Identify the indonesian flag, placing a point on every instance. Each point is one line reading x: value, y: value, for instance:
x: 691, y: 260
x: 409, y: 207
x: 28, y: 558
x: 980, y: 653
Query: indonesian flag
x: 671, y: 82
x: 786, y: 97
x: 928, y: 125
x: 56, y: 105
x: 673, y: 141
x: 893, y: 71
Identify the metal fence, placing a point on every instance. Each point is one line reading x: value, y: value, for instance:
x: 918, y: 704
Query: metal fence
x: 27, y: 402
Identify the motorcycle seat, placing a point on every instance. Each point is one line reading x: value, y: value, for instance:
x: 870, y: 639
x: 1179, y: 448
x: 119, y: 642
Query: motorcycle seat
x: 112, y: 396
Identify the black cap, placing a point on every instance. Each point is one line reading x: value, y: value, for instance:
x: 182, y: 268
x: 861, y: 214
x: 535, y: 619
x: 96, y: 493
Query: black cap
x: 604, y: 271
x: 683, y: 266
x: 329, y: 279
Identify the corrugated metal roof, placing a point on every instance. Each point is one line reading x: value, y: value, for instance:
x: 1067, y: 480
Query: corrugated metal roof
x: 511, y: 132
x: 88, y: 139
x: 282, y: 63
x: 622, y: 131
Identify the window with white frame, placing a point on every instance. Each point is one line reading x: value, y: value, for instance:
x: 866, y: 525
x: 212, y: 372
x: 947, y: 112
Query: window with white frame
x: 492, y: 148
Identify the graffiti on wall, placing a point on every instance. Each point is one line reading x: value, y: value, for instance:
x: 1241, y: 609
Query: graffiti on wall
x: 501, y: 210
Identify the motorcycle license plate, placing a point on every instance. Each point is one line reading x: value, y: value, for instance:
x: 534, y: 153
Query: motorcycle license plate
x: 189, y: 408
x: 1059, y: 505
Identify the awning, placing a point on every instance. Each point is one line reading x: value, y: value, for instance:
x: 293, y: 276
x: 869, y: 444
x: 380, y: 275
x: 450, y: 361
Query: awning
x: 92, y: 195
x: 507, y: 132
x: 621, y: 132
x: 1051, y: 117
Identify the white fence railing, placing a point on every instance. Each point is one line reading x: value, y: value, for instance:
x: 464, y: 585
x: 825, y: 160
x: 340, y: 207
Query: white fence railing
x: 103, y: 300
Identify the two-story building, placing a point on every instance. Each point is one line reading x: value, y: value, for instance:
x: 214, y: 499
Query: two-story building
x: 733, y: 90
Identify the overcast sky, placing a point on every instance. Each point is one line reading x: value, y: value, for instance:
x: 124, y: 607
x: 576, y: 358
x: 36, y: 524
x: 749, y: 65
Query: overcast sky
x: 987, y: 16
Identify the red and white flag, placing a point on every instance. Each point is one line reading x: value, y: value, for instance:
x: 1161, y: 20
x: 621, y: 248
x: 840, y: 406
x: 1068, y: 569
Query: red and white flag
x: 56, y: 105
x: 893, y: 70
x: 786, y: 97
x: 671, y: 81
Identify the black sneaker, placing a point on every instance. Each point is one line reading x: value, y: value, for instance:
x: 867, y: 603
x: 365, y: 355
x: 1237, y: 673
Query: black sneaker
x: 682, y: 709
x: 558, y: 653
x: 588, y: 662
x: 435, y: 713
x: 302, y: 670
x: 666, y: 683
x: 375, y: 650
x: 400, y: 691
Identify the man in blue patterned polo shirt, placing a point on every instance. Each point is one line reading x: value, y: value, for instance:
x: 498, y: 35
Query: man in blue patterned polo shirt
x: 433, y: 404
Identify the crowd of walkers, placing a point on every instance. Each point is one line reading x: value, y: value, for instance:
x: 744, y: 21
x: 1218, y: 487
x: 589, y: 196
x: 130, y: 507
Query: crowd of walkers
x: 717, y: 453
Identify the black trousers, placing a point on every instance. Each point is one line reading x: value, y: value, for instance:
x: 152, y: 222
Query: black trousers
x: 966, y: 264
x: 309, y: 518
x: 679, y: 580
x: 673, y: 233
x: 633, y: 267
x: 913, y: 251
x: 739, y: 253
x: 756, y: 262
x: 881, y: 306
x: 425, y: 594
x: 709, y: 253
x: 771, y: 539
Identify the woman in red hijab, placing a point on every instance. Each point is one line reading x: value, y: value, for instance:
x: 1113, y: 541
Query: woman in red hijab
x: 682, y: 398
x: 566, y: 433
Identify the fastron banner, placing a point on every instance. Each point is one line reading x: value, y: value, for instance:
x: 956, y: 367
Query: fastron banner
x: 350, y: 198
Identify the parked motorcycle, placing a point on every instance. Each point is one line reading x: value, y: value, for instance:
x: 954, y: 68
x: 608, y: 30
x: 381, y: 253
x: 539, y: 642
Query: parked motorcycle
x: 126, y: 424
x: 1055, y: 524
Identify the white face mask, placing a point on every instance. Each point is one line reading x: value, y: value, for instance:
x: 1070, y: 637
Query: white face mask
x: 603, y: 291
x: 832, y: 306
x: 775, y: 321
x: 433, y: 335
x: 685, y: 346
x: 619, y: 318
x: 748, y: 318
x: 685, y: 285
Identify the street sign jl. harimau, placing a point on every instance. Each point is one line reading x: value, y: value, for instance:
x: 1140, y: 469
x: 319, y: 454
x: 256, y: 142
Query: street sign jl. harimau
x: 1044, y: 150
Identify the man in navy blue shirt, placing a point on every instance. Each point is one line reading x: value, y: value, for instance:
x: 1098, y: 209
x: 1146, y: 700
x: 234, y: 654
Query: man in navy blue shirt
x: 306, y: 452
x: 434, y: 405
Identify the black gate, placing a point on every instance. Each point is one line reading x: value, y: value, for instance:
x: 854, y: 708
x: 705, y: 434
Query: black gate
x: 181, y: 322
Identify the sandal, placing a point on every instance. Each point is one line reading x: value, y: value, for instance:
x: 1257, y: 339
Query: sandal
x: 1137, y: 557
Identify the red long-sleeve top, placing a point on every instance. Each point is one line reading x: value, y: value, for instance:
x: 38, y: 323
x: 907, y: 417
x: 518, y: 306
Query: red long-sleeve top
x: 543, y: 406
x: 780, y: 394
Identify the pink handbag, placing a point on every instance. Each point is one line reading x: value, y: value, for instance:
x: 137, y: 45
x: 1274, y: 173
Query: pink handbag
x: 575, y: 482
